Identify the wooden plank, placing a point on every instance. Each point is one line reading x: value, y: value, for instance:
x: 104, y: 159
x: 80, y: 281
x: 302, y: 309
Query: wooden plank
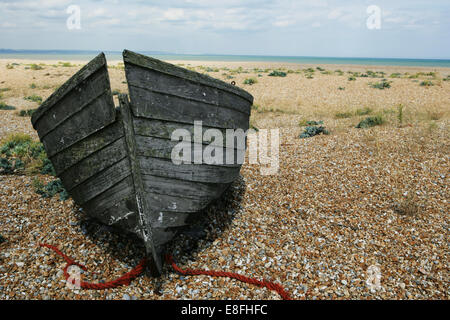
x: 234, y: 102
x: 93, y: 164
x: 123, y: 189
x: 199, y: 173
x: 82, y: 149
x: 89, y: 120
x: 170, y: 69
x: 164, y: 129
x: 122, y: 214
x: 162, y: 148
x: 188, y: 189
x: 83, y: 95
x: 101, y: 182
x: 149, y: 104
x: 85, y: 72
x: 166, y: 203
x: 172, y: 219
x: 167, y: 84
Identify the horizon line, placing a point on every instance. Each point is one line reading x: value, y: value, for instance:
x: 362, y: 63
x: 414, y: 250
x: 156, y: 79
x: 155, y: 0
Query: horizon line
x: 5, y: 51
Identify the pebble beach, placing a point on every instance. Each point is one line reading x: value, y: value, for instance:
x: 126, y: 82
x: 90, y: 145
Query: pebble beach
x: 352, y: 214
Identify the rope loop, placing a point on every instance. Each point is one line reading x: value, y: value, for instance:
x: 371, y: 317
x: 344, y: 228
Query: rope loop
x: 139, y: 269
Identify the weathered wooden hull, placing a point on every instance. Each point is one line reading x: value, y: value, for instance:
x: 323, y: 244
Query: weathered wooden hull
x: 116, y: 163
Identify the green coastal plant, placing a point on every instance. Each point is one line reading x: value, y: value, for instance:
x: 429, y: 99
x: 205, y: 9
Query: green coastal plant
x: 36, y: 67
x: 383, y: 84
x: 371, y: 122
x: 427, y: 83
x: 250, y: 81
x: 34, y: 98
x: 50, y: 189
x: 372, y: 74
x: 277, y: 73
x: 26, y: 113
x: 65, y: 64
x: 4, y: 106
x: 312, y: 131
x: 20, y: 154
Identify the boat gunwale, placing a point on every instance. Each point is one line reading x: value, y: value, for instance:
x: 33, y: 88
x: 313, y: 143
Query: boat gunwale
x: 179, y: 72
x: 84, y: 73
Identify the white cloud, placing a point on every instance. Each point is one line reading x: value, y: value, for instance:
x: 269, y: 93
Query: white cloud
x: 282, y: 23
x: 336, y: 13
x: 173, y: 14
x: 7, y: 25
x: 99, y: 12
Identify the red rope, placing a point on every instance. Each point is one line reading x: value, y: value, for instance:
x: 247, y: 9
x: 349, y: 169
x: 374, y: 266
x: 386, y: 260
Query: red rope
x: 134, y: 273
x: 123, y: 280
x: 195, y: 272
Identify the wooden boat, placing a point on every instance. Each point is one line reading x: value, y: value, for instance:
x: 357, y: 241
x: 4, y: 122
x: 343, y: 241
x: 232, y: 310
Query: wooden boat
x: 116, y: 162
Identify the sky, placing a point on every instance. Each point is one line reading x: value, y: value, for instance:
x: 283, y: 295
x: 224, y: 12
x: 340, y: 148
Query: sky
x: 322, y: 28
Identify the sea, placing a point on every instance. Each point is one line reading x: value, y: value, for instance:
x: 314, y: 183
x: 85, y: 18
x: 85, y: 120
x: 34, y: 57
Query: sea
x: 113, y: 56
